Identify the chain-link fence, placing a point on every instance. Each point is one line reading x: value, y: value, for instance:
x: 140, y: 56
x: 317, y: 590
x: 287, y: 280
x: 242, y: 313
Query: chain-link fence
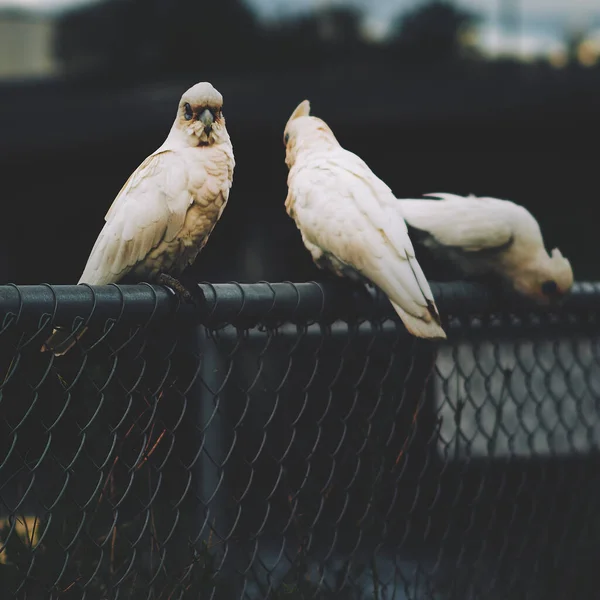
x: 292, y: 441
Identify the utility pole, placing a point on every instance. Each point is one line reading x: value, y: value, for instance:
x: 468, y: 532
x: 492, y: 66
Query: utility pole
x: 321, y: 8
x: 509, y: 20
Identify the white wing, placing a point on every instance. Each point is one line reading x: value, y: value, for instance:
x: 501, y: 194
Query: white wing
x: 345, y: 210
x: 468, y: 224
x: 151, y: 207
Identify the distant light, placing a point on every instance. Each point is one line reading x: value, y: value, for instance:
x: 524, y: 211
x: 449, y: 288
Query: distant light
x: 374, y: 30
x: 588, y: 53
x: 558, y: 59
x: 526, y: 46
x: 468, y: 37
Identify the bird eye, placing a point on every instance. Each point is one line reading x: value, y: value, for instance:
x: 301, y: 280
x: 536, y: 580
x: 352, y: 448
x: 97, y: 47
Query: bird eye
x: 187, y: 112
x: 549, y: 288
x: 286, y: 139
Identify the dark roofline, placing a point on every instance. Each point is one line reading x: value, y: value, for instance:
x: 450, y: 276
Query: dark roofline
x: 75, y: 113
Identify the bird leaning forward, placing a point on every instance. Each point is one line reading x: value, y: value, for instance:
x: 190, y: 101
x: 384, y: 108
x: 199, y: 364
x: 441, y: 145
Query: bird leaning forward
x: 489, y: 236
x: 167, y: 209
x: 350, y: 222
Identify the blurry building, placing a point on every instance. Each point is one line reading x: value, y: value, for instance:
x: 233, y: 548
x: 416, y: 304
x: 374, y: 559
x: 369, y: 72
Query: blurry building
x: 26, y: 44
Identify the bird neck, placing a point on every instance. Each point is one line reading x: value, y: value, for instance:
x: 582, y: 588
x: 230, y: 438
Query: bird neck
x: 178, y: 139
x: 315, y: 143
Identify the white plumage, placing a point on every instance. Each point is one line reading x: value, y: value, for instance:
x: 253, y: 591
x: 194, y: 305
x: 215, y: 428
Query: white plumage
x: 489, y: 235
x: 350, y: 222
x: 166, y: 211
x: 164, y: 214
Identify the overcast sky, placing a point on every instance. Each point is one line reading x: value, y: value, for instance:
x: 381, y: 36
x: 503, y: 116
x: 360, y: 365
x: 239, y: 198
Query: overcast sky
x: 389, y: 7
x: 377, y: 7
x: 539, y: 17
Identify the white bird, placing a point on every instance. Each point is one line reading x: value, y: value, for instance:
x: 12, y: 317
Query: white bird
x: 350, y: 222
x: 490, y: 236
x: 167, y: 209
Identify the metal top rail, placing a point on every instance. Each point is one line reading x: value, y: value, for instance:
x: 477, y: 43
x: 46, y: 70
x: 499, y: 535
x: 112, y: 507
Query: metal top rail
x: 245, y: 304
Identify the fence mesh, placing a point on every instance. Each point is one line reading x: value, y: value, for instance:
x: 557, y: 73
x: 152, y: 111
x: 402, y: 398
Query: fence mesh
x: 292, y: 441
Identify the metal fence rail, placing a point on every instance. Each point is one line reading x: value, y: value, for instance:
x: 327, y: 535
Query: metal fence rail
x: 292, y: 441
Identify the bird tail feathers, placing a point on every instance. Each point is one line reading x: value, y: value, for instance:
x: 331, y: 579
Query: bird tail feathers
x: 429, y: 328
x: 61, y: 341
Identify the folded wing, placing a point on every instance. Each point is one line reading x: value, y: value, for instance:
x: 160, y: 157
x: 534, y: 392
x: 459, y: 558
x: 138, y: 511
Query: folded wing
x: 150, y: 208
x: 354, y: 217
x: 468, y: 224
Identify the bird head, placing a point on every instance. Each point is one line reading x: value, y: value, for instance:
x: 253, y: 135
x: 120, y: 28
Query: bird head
x: 303, y: 129
x: 547, y: 279
x: 200, y: 115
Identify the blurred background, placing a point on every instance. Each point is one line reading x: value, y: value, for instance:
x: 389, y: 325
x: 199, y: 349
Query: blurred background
x: 490, y: 97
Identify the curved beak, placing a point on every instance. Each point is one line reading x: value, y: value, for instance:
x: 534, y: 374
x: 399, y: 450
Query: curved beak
x: 207, y: 119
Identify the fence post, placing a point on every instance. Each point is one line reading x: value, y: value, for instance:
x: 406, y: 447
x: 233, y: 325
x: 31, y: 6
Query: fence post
x: 215, y: 511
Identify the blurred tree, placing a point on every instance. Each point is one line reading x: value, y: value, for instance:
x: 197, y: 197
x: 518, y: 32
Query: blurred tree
x: 433, y: 32
x: 330, y: 33
x: 574, y: 38
x: 92, y: 38
x: 339, y: 25
x: 135, y: 37
x: 199, y: 36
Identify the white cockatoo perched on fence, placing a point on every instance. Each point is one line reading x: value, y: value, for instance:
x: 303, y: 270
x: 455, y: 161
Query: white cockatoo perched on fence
x: 483, y: 236
x: 350, y: 222
x: 167, y: 209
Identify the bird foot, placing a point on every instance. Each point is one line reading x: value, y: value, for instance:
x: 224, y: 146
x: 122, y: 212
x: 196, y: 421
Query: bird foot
x: 176, y: 285
x: 186, y: 290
